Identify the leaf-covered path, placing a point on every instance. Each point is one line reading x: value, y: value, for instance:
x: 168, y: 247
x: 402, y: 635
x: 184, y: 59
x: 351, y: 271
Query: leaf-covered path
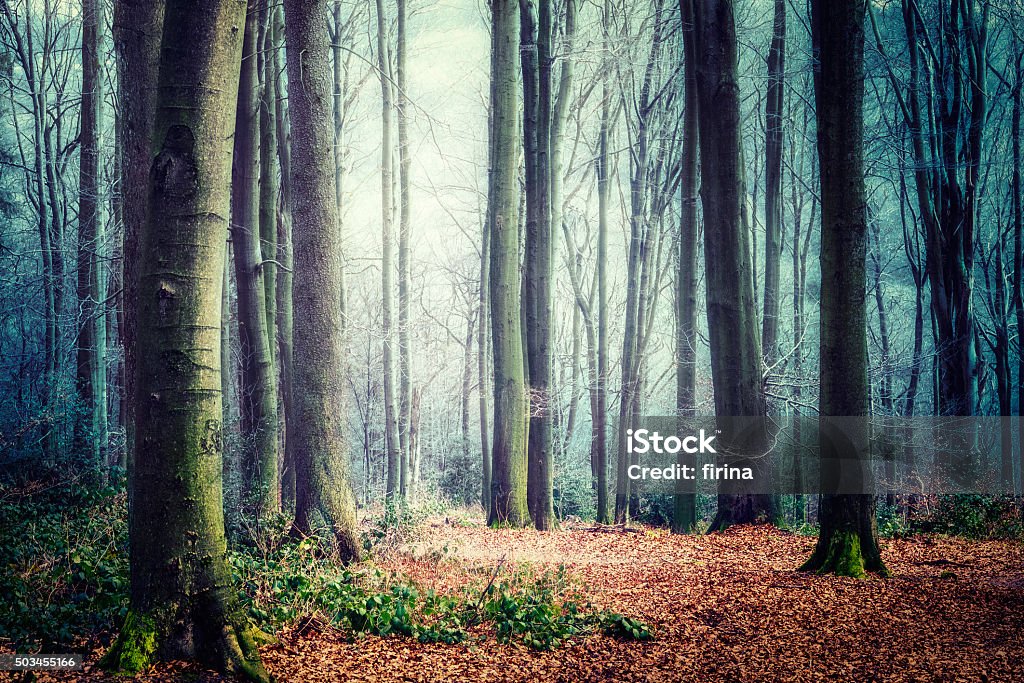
x: 725, y: 607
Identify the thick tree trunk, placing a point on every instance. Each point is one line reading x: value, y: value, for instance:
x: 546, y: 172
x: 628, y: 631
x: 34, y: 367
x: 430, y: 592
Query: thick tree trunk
x: 392, y: 443
x: 685, y: 511
x: 508, y: 504
x: 137, y: 27
x: 323, y: 496
x: 257, y: 393
x: 90, y: 376
x: 732, y: 318
x: 848, y: 540
x: 183, y: 603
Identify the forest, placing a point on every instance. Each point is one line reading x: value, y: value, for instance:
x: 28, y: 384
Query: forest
x: 508, y: 340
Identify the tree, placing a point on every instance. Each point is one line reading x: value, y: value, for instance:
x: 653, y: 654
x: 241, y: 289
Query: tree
x: 511, y: 405
x: 183, y: 604
x: 535, y: 50
x: 387, y: 265
x: 947, y: 149
x: 773, y: 185
x: 848, y: 541
x: 732, y: 319
x: 685, y: 512
x: 90, y: 377
x: 404, y: 233
x: 257, y: 393
x: 136, y: 29
x: 323, y: 498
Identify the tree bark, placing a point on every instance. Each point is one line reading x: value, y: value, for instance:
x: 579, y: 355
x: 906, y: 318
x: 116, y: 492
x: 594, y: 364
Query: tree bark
x: 732, y: 318
x: 392, y: 442
x: 404, y: 232
x: 848, y: 540
x: 285, y: 325
x: 773, y: 185
x: 482, y: 352
x: 90, y: 376
x: 323, y: 496
x: 183, y: 603
x: 137, y: 27
x: 508, y: 504
x: 535, y: 50
x: 257, y: 393
x: 685, y: 511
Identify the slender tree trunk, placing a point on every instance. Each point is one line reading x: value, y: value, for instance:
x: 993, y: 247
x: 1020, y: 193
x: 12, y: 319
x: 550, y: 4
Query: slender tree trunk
x: 257, y: 393
x: 183, y: 603
x: 600, y: 416
x: 508, y: 504
x: 323, y: 497
x: 269, y: 187
x: 848, y: 540
x: 90, y: 371
x: 285, y: 257
x: 404, y: 229
x: 482, y: 353
x: 1018, y: 255
x: 685, y: 512
x: 393, y: 445
x: 773, y: 185
x: 732, y: 318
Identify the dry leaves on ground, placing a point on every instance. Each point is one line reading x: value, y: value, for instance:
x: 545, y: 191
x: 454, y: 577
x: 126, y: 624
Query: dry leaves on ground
x: 725, y: 607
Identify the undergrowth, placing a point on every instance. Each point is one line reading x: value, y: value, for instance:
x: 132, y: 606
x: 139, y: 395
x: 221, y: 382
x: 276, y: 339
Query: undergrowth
x: 298, y: 580
x: 64, y: 580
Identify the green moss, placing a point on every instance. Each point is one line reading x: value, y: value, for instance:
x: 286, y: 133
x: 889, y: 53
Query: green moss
x: 133, y: 650
x: 842, y: 557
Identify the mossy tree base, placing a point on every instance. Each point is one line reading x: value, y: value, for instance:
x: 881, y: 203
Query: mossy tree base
x: 142, y: 642
x: 848, y: 542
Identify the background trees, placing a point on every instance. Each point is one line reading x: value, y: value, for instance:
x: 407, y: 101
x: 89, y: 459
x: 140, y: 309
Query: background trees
x: 519, y: 241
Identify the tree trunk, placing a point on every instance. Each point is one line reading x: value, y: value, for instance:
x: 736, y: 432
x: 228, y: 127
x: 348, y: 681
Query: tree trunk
x: 732, y: 318
x: 269, y: 187
x: 600, y: 416
x: 136, y: 28
x: 508, y: 504
x: 1018, y: 255
x: 394, y: 451
x: 535, y: 36
x: 482, y: 352
x: 90, y: 376
x: 323, y: 496
x: 285, y: 257
x: 183, y: 602
x: 773, y: 134
x: 685, y: 512
x: 257, y: 394
x: 404, y: 228
x: 848, y: 540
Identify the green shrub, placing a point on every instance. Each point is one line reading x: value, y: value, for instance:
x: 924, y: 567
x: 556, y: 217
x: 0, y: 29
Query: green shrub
x: 64, y: 554
x: 975, y: 516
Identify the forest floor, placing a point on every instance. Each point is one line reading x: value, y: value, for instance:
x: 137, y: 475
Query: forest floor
x: 724, y: 607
